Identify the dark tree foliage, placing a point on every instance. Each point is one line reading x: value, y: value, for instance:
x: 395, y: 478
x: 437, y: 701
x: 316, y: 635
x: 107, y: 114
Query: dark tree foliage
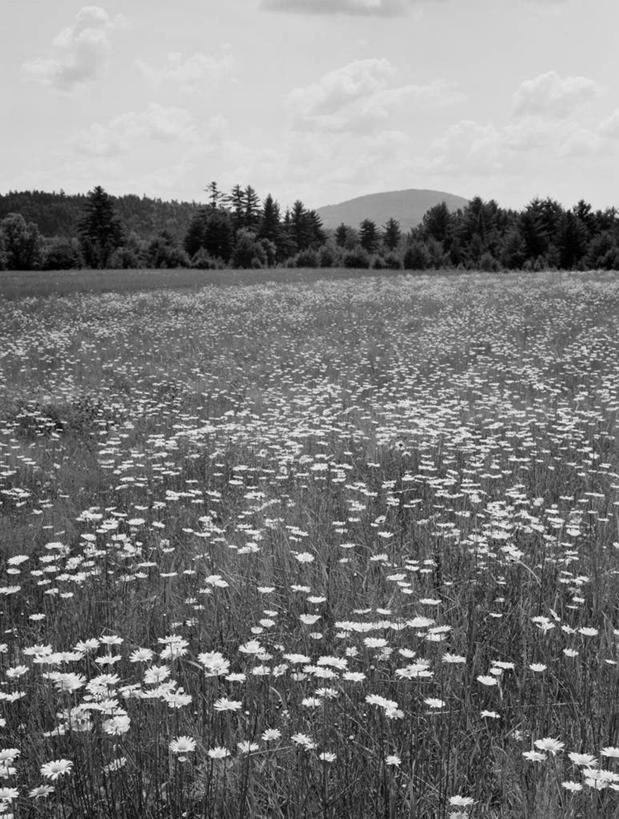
x: 392, y: 234
x: 270, y: 222
x: 234, y: 229
x: 61, y: 254
x: 20, y: 243
x: 437, y: 223
x: 100, y: 230
x: 368, y: 236
x: 163, y: 252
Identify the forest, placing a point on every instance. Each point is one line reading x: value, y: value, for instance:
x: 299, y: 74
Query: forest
x: 238, y: 229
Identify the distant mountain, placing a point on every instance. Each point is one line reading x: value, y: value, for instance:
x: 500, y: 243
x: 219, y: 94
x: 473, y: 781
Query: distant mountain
x: 408, y: 207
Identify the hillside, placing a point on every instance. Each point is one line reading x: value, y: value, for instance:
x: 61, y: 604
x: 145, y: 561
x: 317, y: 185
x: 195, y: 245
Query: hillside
x: 407, y: 206
x: 57, y: 214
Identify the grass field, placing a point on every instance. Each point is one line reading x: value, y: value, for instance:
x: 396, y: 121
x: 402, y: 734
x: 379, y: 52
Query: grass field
x: 344, y: 547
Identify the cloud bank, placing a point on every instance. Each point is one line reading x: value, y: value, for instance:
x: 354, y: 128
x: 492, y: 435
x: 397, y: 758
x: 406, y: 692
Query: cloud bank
x: 81, y: 51
x: 365, y: 8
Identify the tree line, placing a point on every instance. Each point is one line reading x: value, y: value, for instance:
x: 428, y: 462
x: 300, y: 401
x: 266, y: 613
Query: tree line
x: 237, y: 229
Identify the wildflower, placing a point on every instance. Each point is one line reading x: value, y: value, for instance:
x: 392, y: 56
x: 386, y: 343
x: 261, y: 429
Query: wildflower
x: 41, y: 791
x: 309, y: 619
x: 7, y: 794
x: 461, y: 801
x: 583, y: 759
x: 115, y: 765
x: 141, y: 655
x: 116, y: 726
x: 534, y: 756
x: 433, y: 702
x: 303, y: 740
x: 214, y: 663
x: 156, y: 674
x: 538, y: 667
x: 224, y: 704
x: 453, y: 659
x: 56, y: 768
x: 393, y: 760
x: 182, y: 745
x: 218, y: 752
x: 552, y: 746
x: 327, y: 756
x: 176, y: 699
x: 9, y: 755
x: 271, y: 735
x: 111, y: 640
x: 246, y: 747
x: 571, y: 786
x: 610, y: 751
x: 490, y: 714
x: 487, y: 680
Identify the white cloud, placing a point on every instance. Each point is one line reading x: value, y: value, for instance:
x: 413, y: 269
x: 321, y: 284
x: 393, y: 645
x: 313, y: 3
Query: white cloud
x: 610, y: 126
x: 80, y: 50
x: 367, y: 8
x: 468, y: 147
x: 359, y: 96
x: 192, y: 74
x: 553, y: 96
x: 120, y: 135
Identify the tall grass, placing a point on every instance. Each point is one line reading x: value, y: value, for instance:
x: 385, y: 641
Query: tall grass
x: 339, y: 548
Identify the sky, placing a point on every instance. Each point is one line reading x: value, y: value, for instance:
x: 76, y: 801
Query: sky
x: 321, y: 100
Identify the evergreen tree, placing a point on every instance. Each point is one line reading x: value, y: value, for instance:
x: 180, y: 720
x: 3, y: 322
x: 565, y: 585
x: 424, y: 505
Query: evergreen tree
x: 437, y: 222
x: 216, y: 197
x: 194, y: 238
x: 341, y: 234
x: 270, y: 227
x: 368, y: 236
x: 572, y: 240
x: 236, y: 200
x: 391, y: 234
x: 252, y: 208
x: 217, y: 236
x: 100, y: 230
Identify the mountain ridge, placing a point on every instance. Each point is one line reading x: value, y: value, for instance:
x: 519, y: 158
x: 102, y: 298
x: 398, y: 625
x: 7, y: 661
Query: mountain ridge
x: 408, y: 206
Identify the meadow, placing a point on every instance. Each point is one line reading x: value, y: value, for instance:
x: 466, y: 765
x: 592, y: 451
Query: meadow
x: 344, y: 547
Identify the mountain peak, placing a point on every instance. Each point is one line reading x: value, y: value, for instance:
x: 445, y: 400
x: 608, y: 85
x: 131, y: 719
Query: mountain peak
x: 407, y: 206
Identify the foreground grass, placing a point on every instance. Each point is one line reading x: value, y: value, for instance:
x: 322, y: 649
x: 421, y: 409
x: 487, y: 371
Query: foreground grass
x: 339, y: 548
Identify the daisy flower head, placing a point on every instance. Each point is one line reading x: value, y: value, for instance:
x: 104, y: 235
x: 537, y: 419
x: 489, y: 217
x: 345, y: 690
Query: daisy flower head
x: 56, y: 768
x: 571, y: 786
x: 218, y: 752
x: 225, y: 704
x: 534, y: 756
x: 461, y: 801
x: 588, y: 760
x: 182, y: 745
x: 550, y: 745
x: 41, y: 791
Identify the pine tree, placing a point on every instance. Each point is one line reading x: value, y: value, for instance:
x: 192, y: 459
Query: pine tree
x: 391, y: 234
x: 215, y: 195
x: 100, y: 230
x: 252, y: 208
x: 237, y: 205
x: 368, y: 236
x: 270, y: 227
